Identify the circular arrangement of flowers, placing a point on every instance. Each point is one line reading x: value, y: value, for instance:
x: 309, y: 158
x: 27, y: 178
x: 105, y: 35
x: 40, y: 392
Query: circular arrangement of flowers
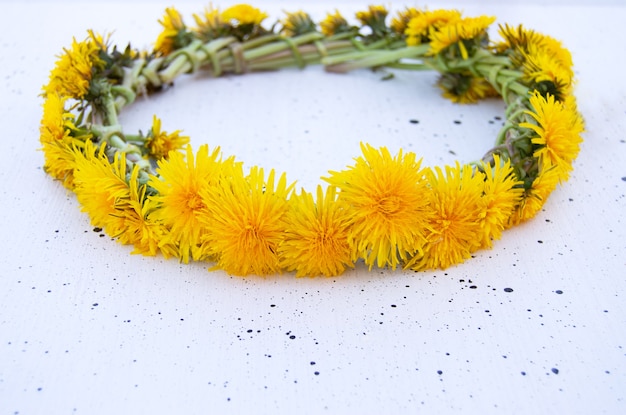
x: 152, y: 190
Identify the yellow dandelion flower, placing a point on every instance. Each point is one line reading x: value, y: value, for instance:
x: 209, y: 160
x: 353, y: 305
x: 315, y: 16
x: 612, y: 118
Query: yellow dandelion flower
x: 297, y: 23
x: 400, y: 22
x: 558, y: 132
x: 454, y: 228
x: 420, y: 28
x: 559, y: 53
x: 210, y: 25
x: 100, y: 186
x: 516, y: 38
x: 542, y: 69
x: 179, y: 185
x: 173, y: 24
x: 501, y: 196
x: 536, y: 195
x: 522, y: 43
x: 458, y: 33
x: 334, y: 24
x: 465, y: 88
x: 374, y: 17
x: 57, y: 140
x: 137, y: 227
x: 316, y: 235
x: 55, y: 119
x: 160, y: 143
x: 246, y: 216
x: 243, y: 14
x: 59, y: 160
x: 74, y: 69
x: 386, y: 197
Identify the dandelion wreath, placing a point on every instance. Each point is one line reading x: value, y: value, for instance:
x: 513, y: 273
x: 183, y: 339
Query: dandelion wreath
x: 153, y: 191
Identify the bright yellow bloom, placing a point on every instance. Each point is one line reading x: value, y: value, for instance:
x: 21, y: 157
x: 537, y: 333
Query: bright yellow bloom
x: 137, y: 227
x: 297, y: 23
x: 457, y: 213
x: 55, y: 119
x: 172, y: 23
x: 386, y: 198
x: 465, y: 88
x: 516, y: 38
x: 243, y: 14
x: 210, y: 25
x: 334, y: 24
x: 316, y: 235
x: 560, y: 53
x: 100, y: 186
x: 374, y: 15
x: 457, y: 32
x: 501, y: 196
x: 558, y: 131
x: 542, y: 57
x: 246, y: 217
x: 421, y: 27
x: 57, y: 142
x: 160, y: 143
x: 179, y: 185
x: 535, y: 196
x: 74, y: 69
x: 400, y: 22
x: 541, y: 65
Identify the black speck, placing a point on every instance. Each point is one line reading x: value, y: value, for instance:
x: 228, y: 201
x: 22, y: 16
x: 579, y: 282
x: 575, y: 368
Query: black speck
x: 624, y: 179
x: 95, y: 304
x: 393, y: 305
x: 316, y: 373
x: 559, y: 292
x: 96, y: 229
x: 508, y: 290
x: 457, y: 122
x: 312, y: 363
x: 249, y: 331
x: 473, y: 287
x: 272, y: 305
x: 101, y: 235
x: 292, y: 337
x: 440, y: 372
x: 540, y: 241
x: 555, y: 370
x: 414, y: 121
x: 523, y: 373
x: 497, y: 117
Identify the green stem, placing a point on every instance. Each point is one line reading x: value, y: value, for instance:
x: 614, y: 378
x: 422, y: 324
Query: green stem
x: 110, y: 116
x: 371, y: 59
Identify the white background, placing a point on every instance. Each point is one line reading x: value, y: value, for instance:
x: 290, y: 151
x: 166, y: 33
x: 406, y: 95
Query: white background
x: 87, y: 328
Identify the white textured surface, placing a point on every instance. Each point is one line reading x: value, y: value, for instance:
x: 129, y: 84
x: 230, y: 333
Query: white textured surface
x: 87, y: 328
